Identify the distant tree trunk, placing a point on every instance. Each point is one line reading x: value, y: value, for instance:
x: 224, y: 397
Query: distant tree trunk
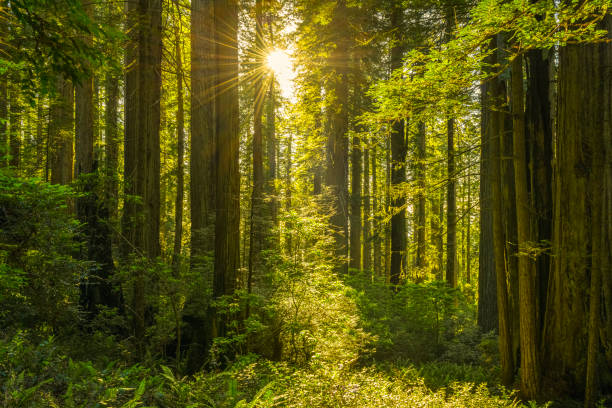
x: 112, y: 143
x: 367, y: 234
x: 421, y: 202
x: 398, y: 167
x: 355, y: 237
x: 337, y: 142
x: 180, y: 152
x: 203, y: 129
x: 271, y: 158
x: 15, y: 125
x: 467, y: 218
x: 41, y: 140
x: 451, y: 208
x: 4, y: 103
x: 530, y: 360
x: 227, y: 223
x: 376, y: 228
x: 487, y: 291
x: 256, y: 234
x: 61, y: 133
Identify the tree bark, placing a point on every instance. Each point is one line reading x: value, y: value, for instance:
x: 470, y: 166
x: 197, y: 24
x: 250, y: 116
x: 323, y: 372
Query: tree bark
x: 227, y: 223
x: 180, y: 152
x: 15, y: 125
x: 61, y: 133
x: 451, y: 208
x: 421, y: 215
x: 337, y: 142
x: 355, y: 237
x: 398, y: 167
x: 203, y: 130
x: 367, y: 230
x: 487, y: 291
x: 530, y: 359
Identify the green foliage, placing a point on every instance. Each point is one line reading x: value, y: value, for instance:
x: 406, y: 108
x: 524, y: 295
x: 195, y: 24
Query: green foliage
x: 37, y: 243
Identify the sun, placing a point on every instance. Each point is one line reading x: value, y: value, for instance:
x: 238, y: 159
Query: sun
x: 279, y: 61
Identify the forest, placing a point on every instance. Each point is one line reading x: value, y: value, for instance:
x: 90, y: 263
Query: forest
x: 305, y: 203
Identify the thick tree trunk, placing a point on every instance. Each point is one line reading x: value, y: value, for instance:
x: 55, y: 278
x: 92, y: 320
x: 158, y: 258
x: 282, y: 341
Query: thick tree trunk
x: 227, y: 222
x: 398, y: 167
x: 337, y: 143
x: 540, y: 157
x: 503, y: 307
x: 203, y: 129
x: 581, y: 238
x: 61, y: 133
x: 530, y: 359
x: 142, y: 147
x: 487, y: 291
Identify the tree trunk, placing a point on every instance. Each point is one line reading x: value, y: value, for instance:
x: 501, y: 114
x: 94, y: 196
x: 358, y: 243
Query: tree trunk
x: 180, y: 152
x: 367, y: 234
x: 203, y: 129
x: 496, y: 126
x: 355, y: 237
x: 15, y: 125
x: 257, y: 226
x: 376, y: 228
x: 487, y: 291
x: 227, y: 222
x: 398, y: 167
x: 61, y: 133
x: 421, y: 216
x: 530, y: 361
x: 540, y: 156
x: 451, y: 208
x: 582, y: 225
x: 337, y: 143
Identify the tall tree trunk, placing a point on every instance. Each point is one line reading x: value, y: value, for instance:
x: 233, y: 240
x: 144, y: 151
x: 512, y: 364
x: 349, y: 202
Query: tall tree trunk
x: 496, y: 126
x: 376, y: 228
x: 271, y: 158
x: 540, y: 157
x: 355, y: 237
x: 468, y: 219
x: 180, y: 152
x: 15, y: 118
x: 111, y: 132
x: 530, y: 360
x: 256, y: 234
x: 582, y: 225
x: 203, y: 129
x: 398, y: 166
x: 61, y: 133
x: 451, y: 208
x: 337, y: 142
x: 4, y: 103
x: 487, y: 291
x: 142, y: 147
x: 421, y: 201
x: 367, y: 231
x: 227, y: 223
